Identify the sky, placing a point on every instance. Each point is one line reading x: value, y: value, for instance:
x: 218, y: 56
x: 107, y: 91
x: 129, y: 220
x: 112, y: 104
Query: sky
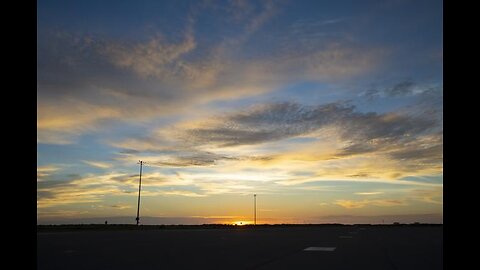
x: 329, y: 111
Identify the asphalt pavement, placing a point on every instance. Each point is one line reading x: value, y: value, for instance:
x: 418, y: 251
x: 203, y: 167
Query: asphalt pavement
x: 336, y: 247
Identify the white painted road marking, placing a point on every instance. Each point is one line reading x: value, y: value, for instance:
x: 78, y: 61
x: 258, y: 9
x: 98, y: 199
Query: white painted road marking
x: 320, y: 249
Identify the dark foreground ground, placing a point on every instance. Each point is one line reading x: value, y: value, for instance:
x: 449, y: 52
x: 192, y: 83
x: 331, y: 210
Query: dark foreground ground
x: 269, y: 247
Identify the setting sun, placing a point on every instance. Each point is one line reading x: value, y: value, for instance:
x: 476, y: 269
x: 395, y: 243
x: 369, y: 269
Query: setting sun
x: 242, y: 223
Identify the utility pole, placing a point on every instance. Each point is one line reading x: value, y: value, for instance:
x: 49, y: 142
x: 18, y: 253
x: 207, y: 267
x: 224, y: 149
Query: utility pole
x: 139, y: 189
x: 254, y: 209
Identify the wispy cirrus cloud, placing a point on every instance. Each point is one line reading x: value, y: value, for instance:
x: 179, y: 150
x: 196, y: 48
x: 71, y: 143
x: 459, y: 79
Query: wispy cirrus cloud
x: 427, y: 194
x: 265, y: 123
x: 405, y: 88
x: 45, y: 171
x: 93, y: 188
x: 183, y: 193
x: 98, y: 164
x: 350, y: 204
x: 272, y: 122
x: 362, y: 145
x: 121, y: 206
x: 431, y: 195
x: 155, y: 58
x: 369, y: 193
x: 86, y: 82
x: 79, y: 190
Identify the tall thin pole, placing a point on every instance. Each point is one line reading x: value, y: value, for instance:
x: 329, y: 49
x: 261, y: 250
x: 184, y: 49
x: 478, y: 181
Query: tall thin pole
x: 254, y: 209
x: 139, y: 189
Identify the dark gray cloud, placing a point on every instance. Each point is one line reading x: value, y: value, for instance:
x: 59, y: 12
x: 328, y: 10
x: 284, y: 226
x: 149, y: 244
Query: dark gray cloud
x: 360, y: 175
x: 279, y: 121
x: 205, y: 159
x: 415, y: 139
x: 57, y: 180
x: 424, y: 154
x: 198, y: 159
x: 400, y: 89
x: 45, y: 188
x: 371, y: 94
x: 42, y: 194
x: 404, y: 89
x: 269, y: 123
x: 373, y: 132
x: 188, y: 157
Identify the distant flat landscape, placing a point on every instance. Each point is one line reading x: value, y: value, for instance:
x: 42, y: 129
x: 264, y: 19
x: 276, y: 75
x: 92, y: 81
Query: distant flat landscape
x: 240, y: 247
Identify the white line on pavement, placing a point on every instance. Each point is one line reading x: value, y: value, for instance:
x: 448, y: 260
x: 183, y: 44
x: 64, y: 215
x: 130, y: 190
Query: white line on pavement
x: 320, y: 249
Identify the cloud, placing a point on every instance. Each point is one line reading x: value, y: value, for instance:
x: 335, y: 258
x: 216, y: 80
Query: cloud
x: 269, y: 9
x: 59, y: 213
x: 266, y: 123
x: 156, y: 58
x: 95, y: 188
x: 248, y: 16
x: 183, y: 193
x: 71, y: 195
x: 401, y: 89
x: 86, y: 82
x: 98, y: 188
x: 405, y: 88
x: 388, y: 132
x: 355, y: 145
x: 342, y: 177
x: 44, y: 171
x: 350, y: 204
x: 102, y: 165
x: 239, y: 10
x: 334, y: 61
x: 121, y: 206
x: 369, y: 193
x: 332, y: 21
x: 176, y: 154
x: 47, y: 168
x: 194, y: 158
x: 432, y: 195
x: 364, y: 132
x: 60, y: 123
x: 80, y: 190
x: 150, y: 179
